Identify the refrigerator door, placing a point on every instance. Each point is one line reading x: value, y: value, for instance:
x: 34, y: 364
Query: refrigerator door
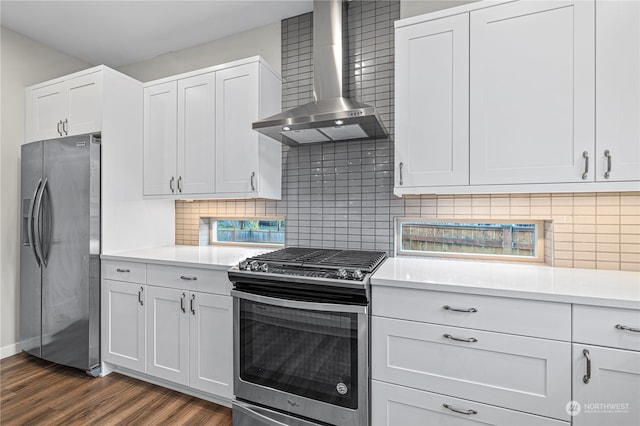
x: 30, y: 272
x: 69, y: 223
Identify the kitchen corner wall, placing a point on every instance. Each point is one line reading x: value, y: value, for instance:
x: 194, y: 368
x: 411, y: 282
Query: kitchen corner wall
x: 340, y: 195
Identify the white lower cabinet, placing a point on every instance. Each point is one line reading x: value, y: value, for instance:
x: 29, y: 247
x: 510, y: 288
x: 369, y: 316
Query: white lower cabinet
x: 393, y: 405
x: 210, y: 343
x: 606, y: 386
x: 516, y: 372
x: 169, y: 329
x: 123, y: 324
x: 168, y: 334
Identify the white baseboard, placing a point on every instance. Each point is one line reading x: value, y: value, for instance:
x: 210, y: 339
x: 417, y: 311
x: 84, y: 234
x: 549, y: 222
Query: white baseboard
x: 9, y: 350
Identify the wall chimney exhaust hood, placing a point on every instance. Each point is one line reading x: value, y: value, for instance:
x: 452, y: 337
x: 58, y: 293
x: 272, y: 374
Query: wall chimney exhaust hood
x: 330, y: 117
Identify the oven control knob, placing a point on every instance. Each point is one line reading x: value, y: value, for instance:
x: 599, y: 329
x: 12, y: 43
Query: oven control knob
x: 264, y: 267
x: 343, y: 274
x: 342, y: 388
x: 243, y: 266
x: 357, y: 274
x: 254, y: 265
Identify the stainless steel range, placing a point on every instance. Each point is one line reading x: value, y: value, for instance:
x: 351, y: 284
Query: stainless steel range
x: 301, y: 337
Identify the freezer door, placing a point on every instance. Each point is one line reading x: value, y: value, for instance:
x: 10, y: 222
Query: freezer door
x: 69, y: 225
x: 30, y: 273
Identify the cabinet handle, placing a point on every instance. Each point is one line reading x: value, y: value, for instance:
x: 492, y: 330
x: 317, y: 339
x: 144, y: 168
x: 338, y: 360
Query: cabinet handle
x: 469, y: 340
x: 179, y: 183
x: 449, y: 308
x: 253, y: 176
x: 585, y: 155
x: 401, y: 165
x: 192, y: 305
x: 171, y: 184
x: 64, y: 126
x: 587, y: 376
x: 184, y: 277
x: 454, y: 409
x: 140, y: 296
x: 624, y: 327
x: 607, y: 154
x: 123, y: 270
x: 182, y: 308
x: 59, y: 131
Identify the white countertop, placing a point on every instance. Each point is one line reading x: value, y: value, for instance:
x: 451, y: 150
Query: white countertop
x: 211, y: 257
x: 526, y: 281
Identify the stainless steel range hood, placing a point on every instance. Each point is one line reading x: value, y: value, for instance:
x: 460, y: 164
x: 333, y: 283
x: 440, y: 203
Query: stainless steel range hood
x: 330, y: 117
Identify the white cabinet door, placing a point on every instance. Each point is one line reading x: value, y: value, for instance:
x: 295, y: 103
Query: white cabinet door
x: 237, y: 108
x: 211, y: 344
x: 393, y: 405
x: 521, y: 373
x: 196, y: 135
x: 160, y: 121
x: 45, y: 110
x: 84, y: 108
x: 123, y: 324
x: 618, y: 90
x: 532, y: 93
x: 612, y: 394
x: 168, y: 334
x: 432, y: 103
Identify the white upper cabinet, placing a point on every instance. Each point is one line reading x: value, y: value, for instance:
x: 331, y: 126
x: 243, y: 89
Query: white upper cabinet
x: 196, y: 134
x: 160, y: 122
x: 532, y: 93
x: 432, y: 103
x: 617, y: 91
x: 199, y: 141
x: 68, y: 107
x: 550, y: 89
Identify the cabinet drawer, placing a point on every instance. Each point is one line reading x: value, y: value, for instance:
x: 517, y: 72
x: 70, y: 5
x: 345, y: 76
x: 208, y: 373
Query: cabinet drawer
x: 192, y: 279
x: 521, y: 373
x: 604, y: 326
x: 515, y: 316
x: 393, y: 405
x: 124, y: 271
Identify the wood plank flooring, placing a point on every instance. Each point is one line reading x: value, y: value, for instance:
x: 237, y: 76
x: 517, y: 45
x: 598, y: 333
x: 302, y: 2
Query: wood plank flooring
x: 37, y: 392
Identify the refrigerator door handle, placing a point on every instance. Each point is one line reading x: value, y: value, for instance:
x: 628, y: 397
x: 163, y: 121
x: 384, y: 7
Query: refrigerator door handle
x: 38, y: 224
x: 30, y: 235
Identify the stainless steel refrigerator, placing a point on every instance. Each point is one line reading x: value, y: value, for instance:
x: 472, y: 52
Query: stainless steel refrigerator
x: 60, y: 251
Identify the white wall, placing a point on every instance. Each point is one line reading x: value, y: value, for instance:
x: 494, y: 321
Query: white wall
x: 418, y: 7
x: 263, y: 41
x: 23, y: 62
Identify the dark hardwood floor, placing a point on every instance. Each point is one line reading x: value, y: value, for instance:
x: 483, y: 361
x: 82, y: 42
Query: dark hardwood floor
x: 36, y: 392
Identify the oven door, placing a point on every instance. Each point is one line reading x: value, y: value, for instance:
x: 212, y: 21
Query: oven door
x: 305, y: 358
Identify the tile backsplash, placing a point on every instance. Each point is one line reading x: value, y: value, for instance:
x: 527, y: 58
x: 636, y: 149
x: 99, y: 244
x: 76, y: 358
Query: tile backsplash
x: 340, y: 195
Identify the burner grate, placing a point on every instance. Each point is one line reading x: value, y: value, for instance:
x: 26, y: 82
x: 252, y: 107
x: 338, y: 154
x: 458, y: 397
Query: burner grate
x: 366, y: 261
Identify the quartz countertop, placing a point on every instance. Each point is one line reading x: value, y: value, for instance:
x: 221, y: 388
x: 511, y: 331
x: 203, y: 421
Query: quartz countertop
x: 211, y: 257
x: 525, y: 281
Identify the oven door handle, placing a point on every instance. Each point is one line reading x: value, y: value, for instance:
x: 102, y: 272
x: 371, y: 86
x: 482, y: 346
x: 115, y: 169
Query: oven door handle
x: 296, y: 304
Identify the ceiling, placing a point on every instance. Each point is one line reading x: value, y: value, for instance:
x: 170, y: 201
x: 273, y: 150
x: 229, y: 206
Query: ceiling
x: 117, y: 33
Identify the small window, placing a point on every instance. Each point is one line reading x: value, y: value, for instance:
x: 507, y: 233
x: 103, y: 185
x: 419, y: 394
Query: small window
x: 247, y: 231
x: 487, y: 239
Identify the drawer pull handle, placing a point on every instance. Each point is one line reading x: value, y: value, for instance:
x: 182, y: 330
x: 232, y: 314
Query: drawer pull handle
x: 449, y: 308
x: 624, y: 327
x: 587, y: 376
x: 469, y: 340
x: 455, y: 410
x: 182, y: 308
x: 140, y: 296
x: 183, y: 277
x: 123, y: 270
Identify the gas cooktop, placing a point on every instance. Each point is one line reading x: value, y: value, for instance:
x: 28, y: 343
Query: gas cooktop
x: 310, y: 265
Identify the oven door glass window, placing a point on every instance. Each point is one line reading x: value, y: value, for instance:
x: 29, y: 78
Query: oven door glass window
x: 309, y: 353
